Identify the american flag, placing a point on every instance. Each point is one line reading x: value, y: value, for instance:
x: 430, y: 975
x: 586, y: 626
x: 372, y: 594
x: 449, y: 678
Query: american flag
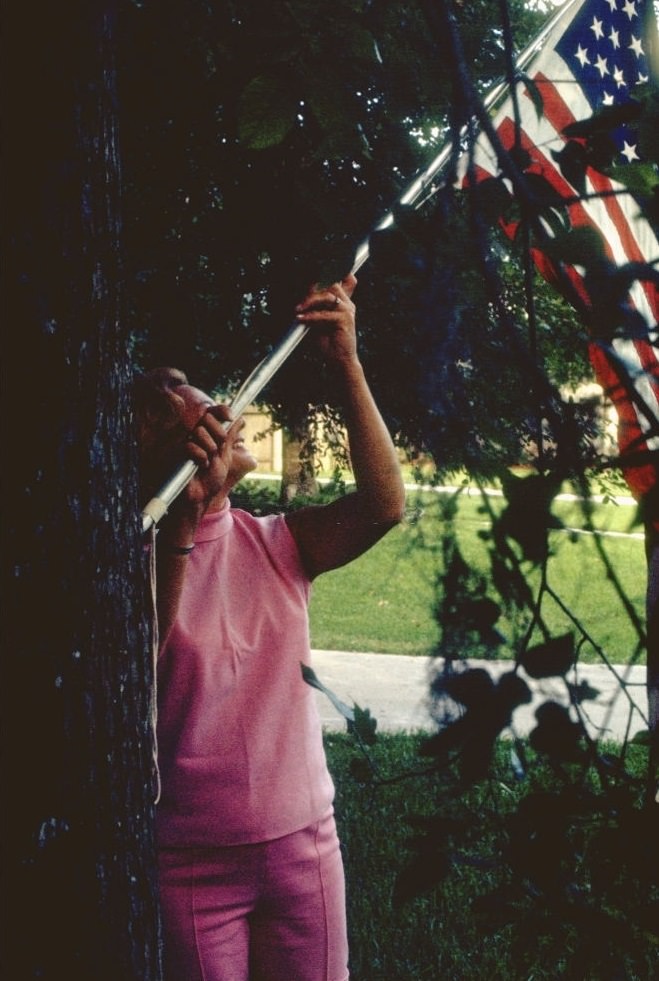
x: 594, y: 56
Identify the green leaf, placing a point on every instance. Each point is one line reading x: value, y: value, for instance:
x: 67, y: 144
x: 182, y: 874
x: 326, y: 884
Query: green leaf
x: 558, y: 222
x: 542, y: 191
x: 583, y: 692
x: 512, y: 691
x: 606, y: 119
x: 266, y: 113
x: 520, y: 157
x: 422, y: 874
x: 481, y: 615
x: 363, y: 726
x: 602, y: 151
x: 361, y: 771
x: 642, y: 738
x: 556, y: 734
x: 311, y: 678
x: 518, y: 763
x: 496, y: 909
x: 528, y: 515
x: 491, y: 198
x: 572, y: 161
x: 471, y: 688
x: 535, y: 94
x: 640, y: 178
x: 581, y: 246
x: 526, y: 527
x: 325, y: 107
x: 550, y: 660
x: 360, y: 44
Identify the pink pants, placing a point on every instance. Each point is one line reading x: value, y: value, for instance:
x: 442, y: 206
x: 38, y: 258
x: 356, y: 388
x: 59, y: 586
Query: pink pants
x: 273, y: 911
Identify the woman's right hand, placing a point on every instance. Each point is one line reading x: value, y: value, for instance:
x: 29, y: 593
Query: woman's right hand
x: 209, y: 446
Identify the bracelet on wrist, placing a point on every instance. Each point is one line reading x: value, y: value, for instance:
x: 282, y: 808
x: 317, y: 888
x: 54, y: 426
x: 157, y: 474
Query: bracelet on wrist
x: 178, y: 549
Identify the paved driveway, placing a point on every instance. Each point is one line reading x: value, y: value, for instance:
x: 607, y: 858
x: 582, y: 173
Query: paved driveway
x: 395, y: 689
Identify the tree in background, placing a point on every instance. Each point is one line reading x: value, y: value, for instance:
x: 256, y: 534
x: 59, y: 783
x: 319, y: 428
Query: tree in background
x: 259, y: 152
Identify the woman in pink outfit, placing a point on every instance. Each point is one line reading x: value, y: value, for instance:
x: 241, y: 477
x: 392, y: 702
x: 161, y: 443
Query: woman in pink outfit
x: 251, y: 874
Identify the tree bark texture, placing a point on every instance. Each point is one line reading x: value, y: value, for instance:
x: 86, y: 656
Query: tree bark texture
x: 79, y: 788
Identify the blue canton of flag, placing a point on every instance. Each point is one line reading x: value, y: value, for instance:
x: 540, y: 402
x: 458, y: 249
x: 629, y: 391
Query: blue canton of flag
x: 604, y: 47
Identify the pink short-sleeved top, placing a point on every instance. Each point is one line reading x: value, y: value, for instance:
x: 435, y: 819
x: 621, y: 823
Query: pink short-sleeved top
x: 239, y: 736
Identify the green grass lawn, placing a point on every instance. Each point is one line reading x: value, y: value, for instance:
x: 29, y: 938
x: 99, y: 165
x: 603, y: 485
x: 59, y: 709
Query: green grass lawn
x: 436, y: 935
x: 383, y: 601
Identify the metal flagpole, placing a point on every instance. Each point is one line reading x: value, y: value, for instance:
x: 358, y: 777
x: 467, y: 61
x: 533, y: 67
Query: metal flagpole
x: 158, y: 506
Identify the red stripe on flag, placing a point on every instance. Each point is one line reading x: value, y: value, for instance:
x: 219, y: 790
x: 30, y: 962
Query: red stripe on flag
x: 559, y: 115
x: 554, y: 109
x: 631, y: 426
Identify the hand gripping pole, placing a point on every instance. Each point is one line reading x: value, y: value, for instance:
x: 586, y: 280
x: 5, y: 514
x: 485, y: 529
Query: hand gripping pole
x: 158, y: 506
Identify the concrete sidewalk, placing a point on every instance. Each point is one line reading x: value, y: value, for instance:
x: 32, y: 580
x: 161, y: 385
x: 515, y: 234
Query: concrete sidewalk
x: 395, y: 689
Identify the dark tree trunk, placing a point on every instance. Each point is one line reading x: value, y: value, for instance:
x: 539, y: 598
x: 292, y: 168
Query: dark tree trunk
x: 78, y: 794
x: 652, y: 610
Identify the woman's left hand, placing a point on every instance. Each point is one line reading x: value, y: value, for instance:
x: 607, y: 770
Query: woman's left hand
x: 331, y: 313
